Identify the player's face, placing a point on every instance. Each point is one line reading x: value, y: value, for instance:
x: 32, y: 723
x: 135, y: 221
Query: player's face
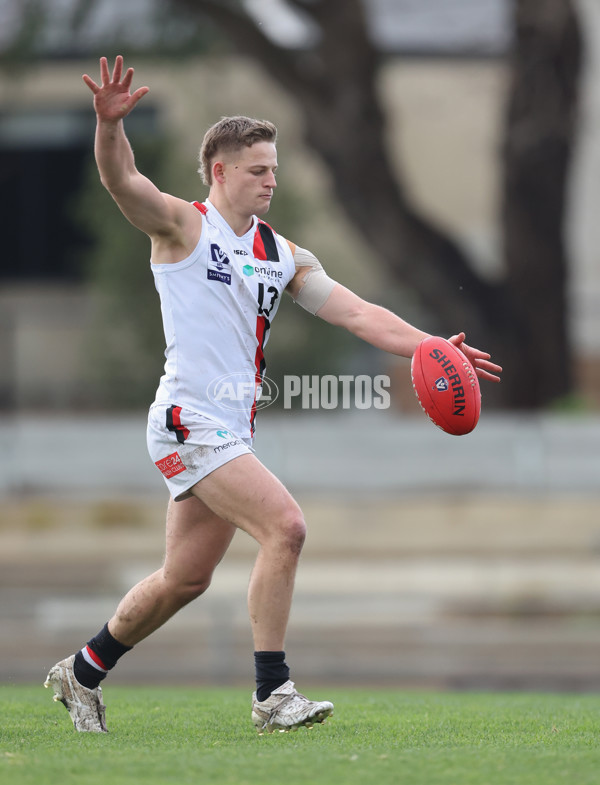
x: 250, y: 178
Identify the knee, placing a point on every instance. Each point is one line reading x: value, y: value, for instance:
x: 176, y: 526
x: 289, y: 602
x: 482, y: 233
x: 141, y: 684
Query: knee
x: 185, y: 590
x: 292, y: 531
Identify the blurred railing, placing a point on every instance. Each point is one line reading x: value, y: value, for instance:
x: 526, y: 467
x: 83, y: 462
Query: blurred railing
x: 356, y: 453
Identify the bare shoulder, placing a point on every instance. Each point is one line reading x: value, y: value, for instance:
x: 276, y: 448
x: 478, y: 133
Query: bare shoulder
x: 182, y: 211
x: 180, y: 236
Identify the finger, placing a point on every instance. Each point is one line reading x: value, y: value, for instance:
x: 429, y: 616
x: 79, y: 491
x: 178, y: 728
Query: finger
x: 477, y: 353
x: 118, y: 69
x: 488, y: 370
x: 490, y: 377
x: 91, y: 84
x: 105, y: 76
x: 489, y: 366
x: 139, y: 93
x: 457, y: 339
x: 128, y: 78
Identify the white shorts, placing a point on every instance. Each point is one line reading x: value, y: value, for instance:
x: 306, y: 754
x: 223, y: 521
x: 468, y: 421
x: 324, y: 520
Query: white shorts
x: 186, y: 446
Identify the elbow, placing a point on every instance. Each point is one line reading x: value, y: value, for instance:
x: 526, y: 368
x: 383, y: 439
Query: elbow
x: 110, y: 183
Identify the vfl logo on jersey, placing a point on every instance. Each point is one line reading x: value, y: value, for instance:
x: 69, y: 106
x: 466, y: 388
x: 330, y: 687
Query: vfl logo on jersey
x: 219, y: 266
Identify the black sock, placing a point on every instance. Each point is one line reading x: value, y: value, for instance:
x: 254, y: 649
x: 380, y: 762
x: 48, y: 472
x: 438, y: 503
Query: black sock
x: 271, y: 672
x: 94, y: 661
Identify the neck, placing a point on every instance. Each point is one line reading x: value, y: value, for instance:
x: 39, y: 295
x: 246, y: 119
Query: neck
x: 239, y: 222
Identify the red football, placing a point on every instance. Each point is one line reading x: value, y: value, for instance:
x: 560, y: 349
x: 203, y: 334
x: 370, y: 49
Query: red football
x: 446, y: 386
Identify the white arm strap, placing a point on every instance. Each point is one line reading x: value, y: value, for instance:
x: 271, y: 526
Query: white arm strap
x: 317, y: 284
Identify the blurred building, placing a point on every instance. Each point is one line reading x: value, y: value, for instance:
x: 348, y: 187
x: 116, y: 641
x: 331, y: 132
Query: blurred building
x: 444, y: 82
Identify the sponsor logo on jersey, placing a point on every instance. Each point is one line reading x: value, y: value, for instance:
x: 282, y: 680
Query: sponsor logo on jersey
x: 227, y: 445
x: 264, y: 272
x: 239, y: 252
x: 171, y: 465
x: 220, y: 266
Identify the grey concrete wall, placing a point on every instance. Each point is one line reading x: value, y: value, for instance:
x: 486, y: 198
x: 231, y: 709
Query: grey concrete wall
x: 360, y: 452
x: 430, y: 559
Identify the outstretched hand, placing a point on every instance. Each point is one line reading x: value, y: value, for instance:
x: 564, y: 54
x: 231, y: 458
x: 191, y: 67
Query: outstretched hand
x: 484, y: 368
x: 112, y: 99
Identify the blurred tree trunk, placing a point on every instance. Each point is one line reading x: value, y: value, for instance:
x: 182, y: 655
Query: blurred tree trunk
x: 522, y: 319
x: 541, y: 120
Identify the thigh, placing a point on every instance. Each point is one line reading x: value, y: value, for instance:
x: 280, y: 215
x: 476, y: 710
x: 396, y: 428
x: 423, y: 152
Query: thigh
x: 186, y: 446
x: 246, y: 494
x: 197, y: 539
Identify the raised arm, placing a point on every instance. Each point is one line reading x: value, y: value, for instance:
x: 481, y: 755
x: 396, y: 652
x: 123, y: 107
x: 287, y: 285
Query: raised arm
x: 143, y: 204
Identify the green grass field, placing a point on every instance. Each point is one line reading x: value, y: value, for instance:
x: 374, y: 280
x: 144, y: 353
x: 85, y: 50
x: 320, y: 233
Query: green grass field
x: 201, y: 736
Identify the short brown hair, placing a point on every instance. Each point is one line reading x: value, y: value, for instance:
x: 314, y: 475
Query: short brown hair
x: 231, y: 134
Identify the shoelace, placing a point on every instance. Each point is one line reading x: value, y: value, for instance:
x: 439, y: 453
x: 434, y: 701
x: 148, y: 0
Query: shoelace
x: 283, y: 702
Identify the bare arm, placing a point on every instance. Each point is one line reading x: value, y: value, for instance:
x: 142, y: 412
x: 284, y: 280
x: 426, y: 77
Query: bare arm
x: 157, y: 214
x: 389, y: 332
x: 372, y: 323
x: 337, y: 305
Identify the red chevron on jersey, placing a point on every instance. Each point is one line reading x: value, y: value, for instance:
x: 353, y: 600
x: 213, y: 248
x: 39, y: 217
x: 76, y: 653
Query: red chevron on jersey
x: 265, y: 247
x: 259, y: 363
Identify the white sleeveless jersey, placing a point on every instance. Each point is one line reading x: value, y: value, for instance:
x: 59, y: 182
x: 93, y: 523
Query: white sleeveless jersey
x: 217, y: 308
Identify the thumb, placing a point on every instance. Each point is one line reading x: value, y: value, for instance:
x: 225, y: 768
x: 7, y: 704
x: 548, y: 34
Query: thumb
x: 139, y: 93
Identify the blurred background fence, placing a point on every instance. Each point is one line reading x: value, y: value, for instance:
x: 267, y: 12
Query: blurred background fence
x: 431, y: 560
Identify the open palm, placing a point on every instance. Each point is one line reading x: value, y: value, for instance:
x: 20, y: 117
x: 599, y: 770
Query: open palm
x: 113, y: 99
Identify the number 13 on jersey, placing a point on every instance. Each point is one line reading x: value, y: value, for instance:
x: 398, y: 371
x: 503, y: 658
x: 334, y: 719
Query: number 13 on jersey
x: 266, y: 299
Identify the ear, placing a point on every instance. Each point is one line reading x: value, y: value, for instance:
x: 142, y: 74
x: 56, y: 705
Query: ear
x: 218, y: 172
